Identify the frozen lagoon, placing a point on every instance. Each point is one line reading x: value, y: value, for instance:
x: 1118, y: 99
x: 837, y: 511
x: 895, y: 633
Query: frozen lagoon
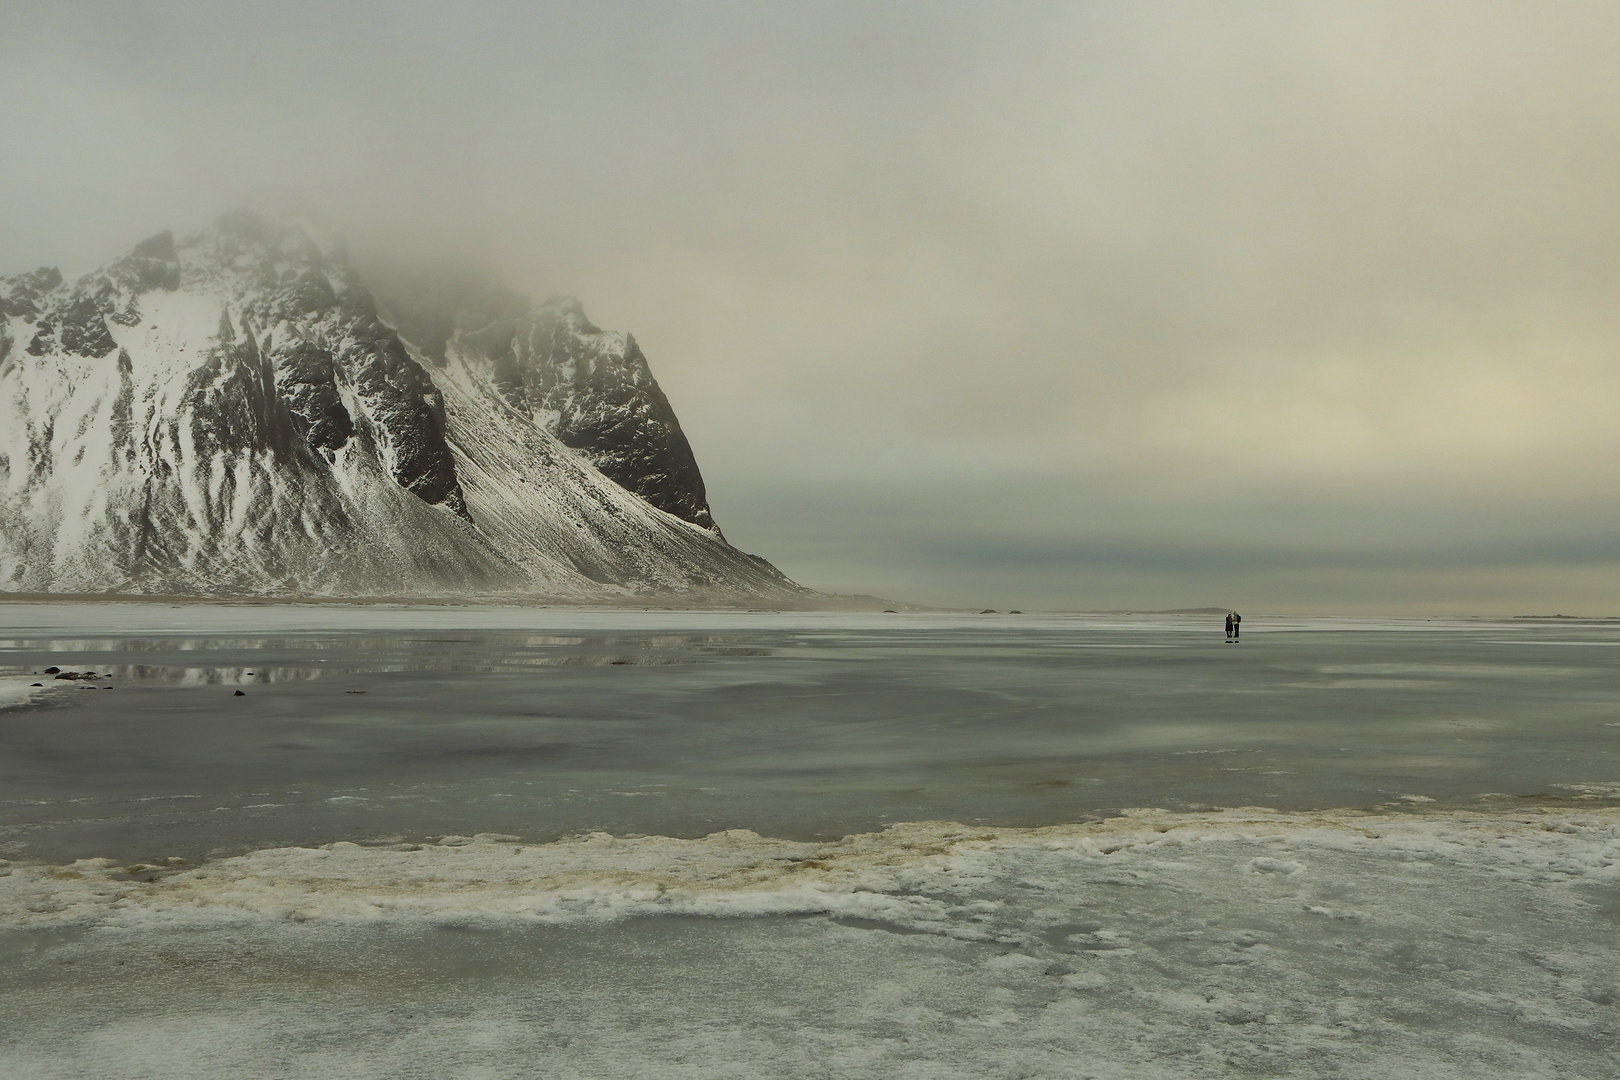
x: 379, y: 862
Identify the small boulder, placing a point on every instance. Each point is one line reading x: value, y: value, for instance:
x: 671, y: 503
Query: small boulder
x: 241, y: 693
x: 52, y: 670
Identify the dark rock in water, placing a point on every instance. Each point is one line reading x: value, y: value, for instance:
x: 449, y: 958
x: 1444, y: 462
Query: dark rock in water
x: 52, y: 670
x: 240, y: 693
x: 1014, y: 611
x: 989, y: 611
x: 36, y: 684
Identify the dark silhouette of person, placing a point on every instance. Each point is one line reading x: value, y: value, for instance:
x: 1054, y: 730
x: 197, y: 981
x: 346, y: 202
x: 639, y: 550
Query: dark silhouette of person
x: 1237, y: 625
x: 1228, y: 626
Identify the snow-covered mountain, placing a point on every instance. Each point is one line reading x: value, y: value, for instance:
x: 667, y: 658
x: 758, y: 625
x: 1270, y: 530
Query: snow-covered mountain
x: 231, y: 415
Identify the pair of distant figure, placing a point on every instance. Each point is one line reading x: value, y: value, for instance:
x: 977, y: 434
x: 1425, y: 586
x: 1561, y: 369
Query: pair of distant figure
x: 1234, y: 622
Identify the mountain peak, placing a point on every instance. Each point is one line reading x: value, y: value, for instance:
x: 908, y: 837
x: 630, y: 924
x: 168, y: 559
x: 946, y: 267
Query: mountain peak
x: 569, y: 309
x: 233, y: 413
x: 249, y: 241
x: 160, y: 246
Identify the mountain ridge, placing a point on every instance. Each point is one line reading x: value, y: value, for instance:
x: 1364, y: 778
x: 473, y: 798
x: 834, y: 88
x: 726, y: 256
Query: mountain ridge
x: 232, y: 414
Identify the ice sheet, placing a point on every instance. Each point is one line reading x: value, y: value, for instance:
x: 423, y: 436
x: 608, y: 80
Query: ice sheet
x: 1217, y: 944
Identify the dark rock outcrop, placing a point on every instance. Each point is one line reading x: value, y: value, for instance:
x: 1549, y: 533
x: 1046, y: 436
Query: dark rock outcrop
x: 606, y: 403
x: 591, y: 388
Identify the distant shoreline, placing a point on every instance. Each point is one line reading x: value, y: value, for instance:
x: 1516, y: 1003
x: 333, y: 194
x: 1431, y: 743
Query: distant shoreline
x: 813, y: 602
x: 809, y: 603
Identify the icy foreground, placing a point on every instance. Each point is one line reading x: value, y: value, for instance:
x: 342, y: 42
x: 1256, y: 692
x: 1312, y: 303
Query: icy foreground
x: 1225, y: 943
x: 1465, y: 927
x: 231, y: 415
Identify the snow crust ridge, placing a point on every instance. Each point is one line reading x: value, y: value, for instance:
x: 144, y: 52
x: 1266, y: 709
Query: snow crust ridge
x: 922, y: 876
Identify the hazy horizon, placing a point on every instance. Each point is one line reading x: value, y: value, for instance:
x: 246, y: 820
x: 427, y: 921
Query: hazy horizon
x: 1290, y: 307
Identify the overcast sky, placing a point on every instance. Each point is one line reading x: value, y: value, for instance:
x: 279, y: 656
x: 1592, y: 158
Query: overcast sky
x: 1281, y: 306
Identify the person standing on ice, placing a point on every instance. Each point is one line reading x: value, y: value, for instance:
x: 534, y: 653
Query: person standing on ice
x: 1237, y: 625
x: 1228, y: 626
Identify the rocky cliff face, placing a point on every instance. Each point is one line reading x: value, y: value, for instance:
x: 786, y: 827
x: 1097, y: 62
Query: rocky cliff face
x: 231, y: 414
x: 590, y: 387
x: 594, y: 390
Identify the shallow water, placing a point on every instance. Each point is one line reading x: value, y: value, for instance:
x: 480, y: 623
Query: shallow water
x: 795, y: 726
x: 1192, y: 943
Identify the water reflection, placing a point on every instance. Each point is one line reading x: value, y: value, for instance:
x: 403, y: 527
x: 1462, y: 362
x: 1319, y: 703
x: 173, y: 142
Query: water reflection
x: 175, y: 660
x: 794, y: 731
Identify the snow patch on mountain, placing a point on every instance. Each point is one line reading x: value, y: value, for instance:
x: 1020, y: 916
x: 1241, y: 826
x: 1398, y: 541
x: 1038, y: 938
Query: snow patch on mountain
x: 231, y: 415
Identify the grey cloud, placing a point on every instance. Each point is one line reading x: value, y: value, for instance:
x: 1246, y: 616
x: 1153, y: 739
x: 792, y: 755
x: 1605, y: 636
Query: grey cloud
x: 915, y: 274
